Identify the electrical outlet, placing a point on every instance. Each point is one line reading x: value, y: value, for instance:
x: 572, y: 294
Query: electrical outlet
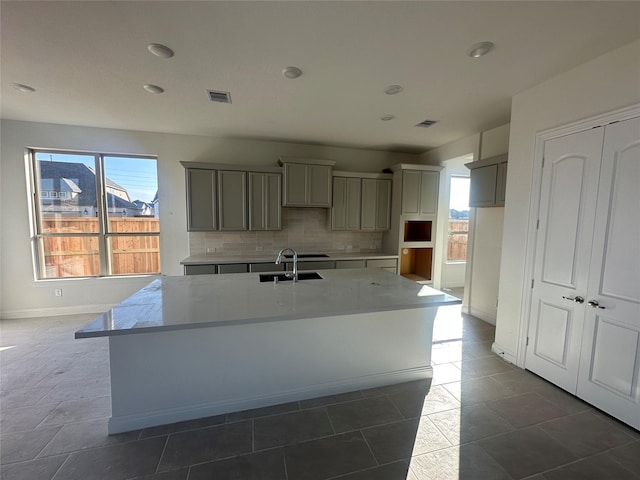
x: 211, y: 250
x: 259, y: 249
x: 58, y: 292
x: 349, y: 247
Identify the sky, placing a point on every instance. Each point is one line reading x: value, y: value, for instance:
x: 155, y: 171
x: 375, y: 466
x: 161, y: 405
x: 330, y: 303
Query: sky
x: 459, y: 196
x: 139, y: 176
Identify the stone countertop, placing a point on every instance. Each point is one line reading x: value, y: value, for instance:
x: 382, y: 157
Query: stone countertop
x: 197, y: 301
x: 221, y: 260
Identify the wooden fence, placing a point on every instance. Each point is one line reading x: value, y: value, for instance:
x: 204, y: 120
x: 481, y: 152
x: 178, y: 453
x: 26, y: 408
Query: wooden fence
x: 68, y: 256
x: 457, y: 244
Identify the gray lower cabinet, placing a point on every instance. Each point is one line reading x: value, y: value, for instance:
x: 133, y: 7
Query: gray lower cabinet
x: 265, y: 199
x: 232, y: 200
x: 266, y: 267
x: 233, y: 268
x: 340, y: 264
x: 200, y: 269
x: 347, y: 201
x: 420, y: 192
x: 201, y: 200
x: 313, y: 265
x: 376, y: 204
x: 389, y: 264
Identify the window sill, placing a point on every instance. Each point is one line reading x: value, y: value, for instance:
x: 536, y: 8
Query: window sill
x: 48, y: 282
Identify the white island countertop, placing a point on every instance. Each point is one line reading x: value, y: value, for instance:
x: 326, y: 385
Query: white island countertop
x: 198, y: 301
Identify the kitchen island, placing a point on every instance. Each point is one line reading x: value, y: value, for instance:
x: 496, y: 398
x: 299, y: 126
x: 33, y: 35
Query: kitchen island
x: 194, y: 346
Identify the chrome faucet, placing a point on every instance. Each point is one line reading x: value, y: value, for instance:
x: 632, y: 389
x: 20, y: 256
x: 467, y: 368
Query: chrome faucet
x: 293, y: 274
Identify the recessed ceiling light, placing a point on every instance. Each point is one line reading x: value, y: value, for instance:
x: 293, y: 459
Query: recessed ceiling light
x: 21, y: 87
x: 153, y: 88
x: 386, y: 118
x: 291, y: 72
x: 480, y: 49
x: 160, y: 50
x: 393, y: 89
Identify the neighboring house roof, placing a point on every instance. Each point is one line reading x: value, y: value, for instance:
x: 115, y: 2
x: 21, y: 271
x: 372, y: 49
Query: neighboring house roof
x: 83, y: 179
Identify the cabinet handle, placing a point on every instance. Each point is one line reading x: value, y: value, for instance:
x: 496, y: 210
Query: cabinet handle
x: 595, y: 304
x: 577, y: 299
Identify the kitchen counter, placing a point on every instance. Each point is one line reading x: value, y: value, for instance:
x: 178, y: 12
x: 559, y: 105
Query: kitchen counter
x: 181, y: 302
x: 222, y: 260
x: 188, y: 347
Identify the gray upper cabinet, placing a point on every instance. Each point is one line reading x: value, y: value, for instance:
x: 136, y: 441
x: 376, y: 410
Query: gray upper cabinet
x: 345, y: 213
x: 201, y: 200
x: 232, y: 200
x: 488, y: 182
x: 376, y: 204
x: 307, y: 183
x: 420, y: 192
x: 265, y: 199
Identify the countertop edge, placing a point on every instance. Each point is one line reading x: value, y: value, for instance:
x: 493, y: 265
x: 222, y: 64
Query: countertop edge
x: 234, y: 322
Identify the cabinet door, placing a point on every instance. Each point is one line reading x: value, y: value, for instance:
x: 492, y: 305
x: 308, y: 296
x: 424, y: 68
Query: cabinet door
x: 199, y: 269
x: 383, y: 205
x: 411, y: 191
x: 501, y: 184
x: 376, y: 204
x: 339, y: 208
x: 265, y: 197
x: 232, y: 200
x: 319, y: 185
x: 369, y: 203
x: 201, y: 200
x: 429, y: 192
x: 295, y: 188
x: 482, y: 192
x: 273, y: 199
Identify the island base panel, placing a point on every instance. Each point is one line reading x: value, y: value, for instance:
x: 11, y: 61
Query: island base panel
x: 165, y: 377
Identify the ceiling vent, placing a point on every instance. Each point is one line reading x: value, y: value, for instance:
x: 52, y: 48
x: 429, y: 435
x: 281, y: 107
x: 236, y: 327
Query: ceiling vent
x: 220, y: 97
x: 426, y: 123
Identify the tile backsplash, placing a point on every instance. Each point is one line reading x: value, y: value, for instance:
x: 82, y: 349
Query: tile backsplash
x: 303, y: 229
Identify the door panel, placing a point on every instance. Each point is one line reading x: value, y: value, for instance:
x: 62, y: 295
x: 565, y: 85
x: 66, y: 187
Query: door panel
x: 566, y: 195
x: 609, y: 374
x: 613, y: 357
x: 553, y: 333
x: 621, y: 253
x: 567, y: 212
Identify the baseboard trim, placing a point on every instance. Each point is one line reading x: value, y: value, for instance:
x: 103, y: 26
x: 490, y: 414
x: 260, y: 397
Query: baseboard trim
x: 501, y: 352
x: 138, y: 421
x: 55, y: 311
x: 481, y: 315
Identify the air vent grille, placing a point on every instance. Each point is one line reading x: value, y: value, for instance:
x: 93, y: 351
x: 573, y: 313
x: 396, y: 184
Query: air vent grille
x: 218, y: 96
x: 426, y: 123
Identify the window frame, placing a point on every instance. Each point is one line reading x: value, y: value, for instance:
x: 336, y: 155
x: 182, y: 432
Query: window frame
x: 448, y: 234
x: 104, y: 235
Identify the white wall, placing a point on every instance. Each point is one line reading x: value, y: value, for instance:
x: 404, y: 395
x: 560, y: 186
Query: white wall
x: 604, y: 84
x: 486, y: 240
x: 21, y: 295
x: 485, y: 228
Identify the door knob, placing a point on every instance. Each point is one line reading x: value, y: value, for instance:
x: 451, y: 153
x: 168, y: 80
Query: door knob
x: 595, y: 304
x: 577, y: 299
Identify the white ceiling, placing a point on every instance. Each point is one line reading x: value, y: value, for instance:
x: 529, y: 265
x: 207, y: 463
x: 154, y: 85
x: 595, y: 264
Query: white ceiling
x: 88, y: 62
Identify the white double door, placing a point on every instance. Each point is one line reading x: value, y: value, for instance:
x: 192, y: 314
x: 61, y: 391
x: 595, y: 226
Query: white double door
x: 584, y: 328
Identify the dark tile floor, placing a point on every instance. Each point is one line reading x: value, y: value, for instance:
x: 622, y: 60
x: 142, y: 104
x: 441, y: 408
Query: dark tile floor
x: 479, y: 418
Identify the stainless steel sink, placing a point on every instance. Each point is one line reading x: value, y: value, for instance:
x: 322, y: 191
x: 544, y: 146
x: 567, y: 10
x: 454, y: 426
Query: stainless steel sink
x: 281, y: 277
x: 307, y: 255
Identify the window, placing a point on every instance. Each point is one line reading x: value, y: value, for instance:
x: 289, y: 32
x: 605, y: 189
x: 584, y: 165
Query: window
x: 94, y: 214
x: 458, y: 219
